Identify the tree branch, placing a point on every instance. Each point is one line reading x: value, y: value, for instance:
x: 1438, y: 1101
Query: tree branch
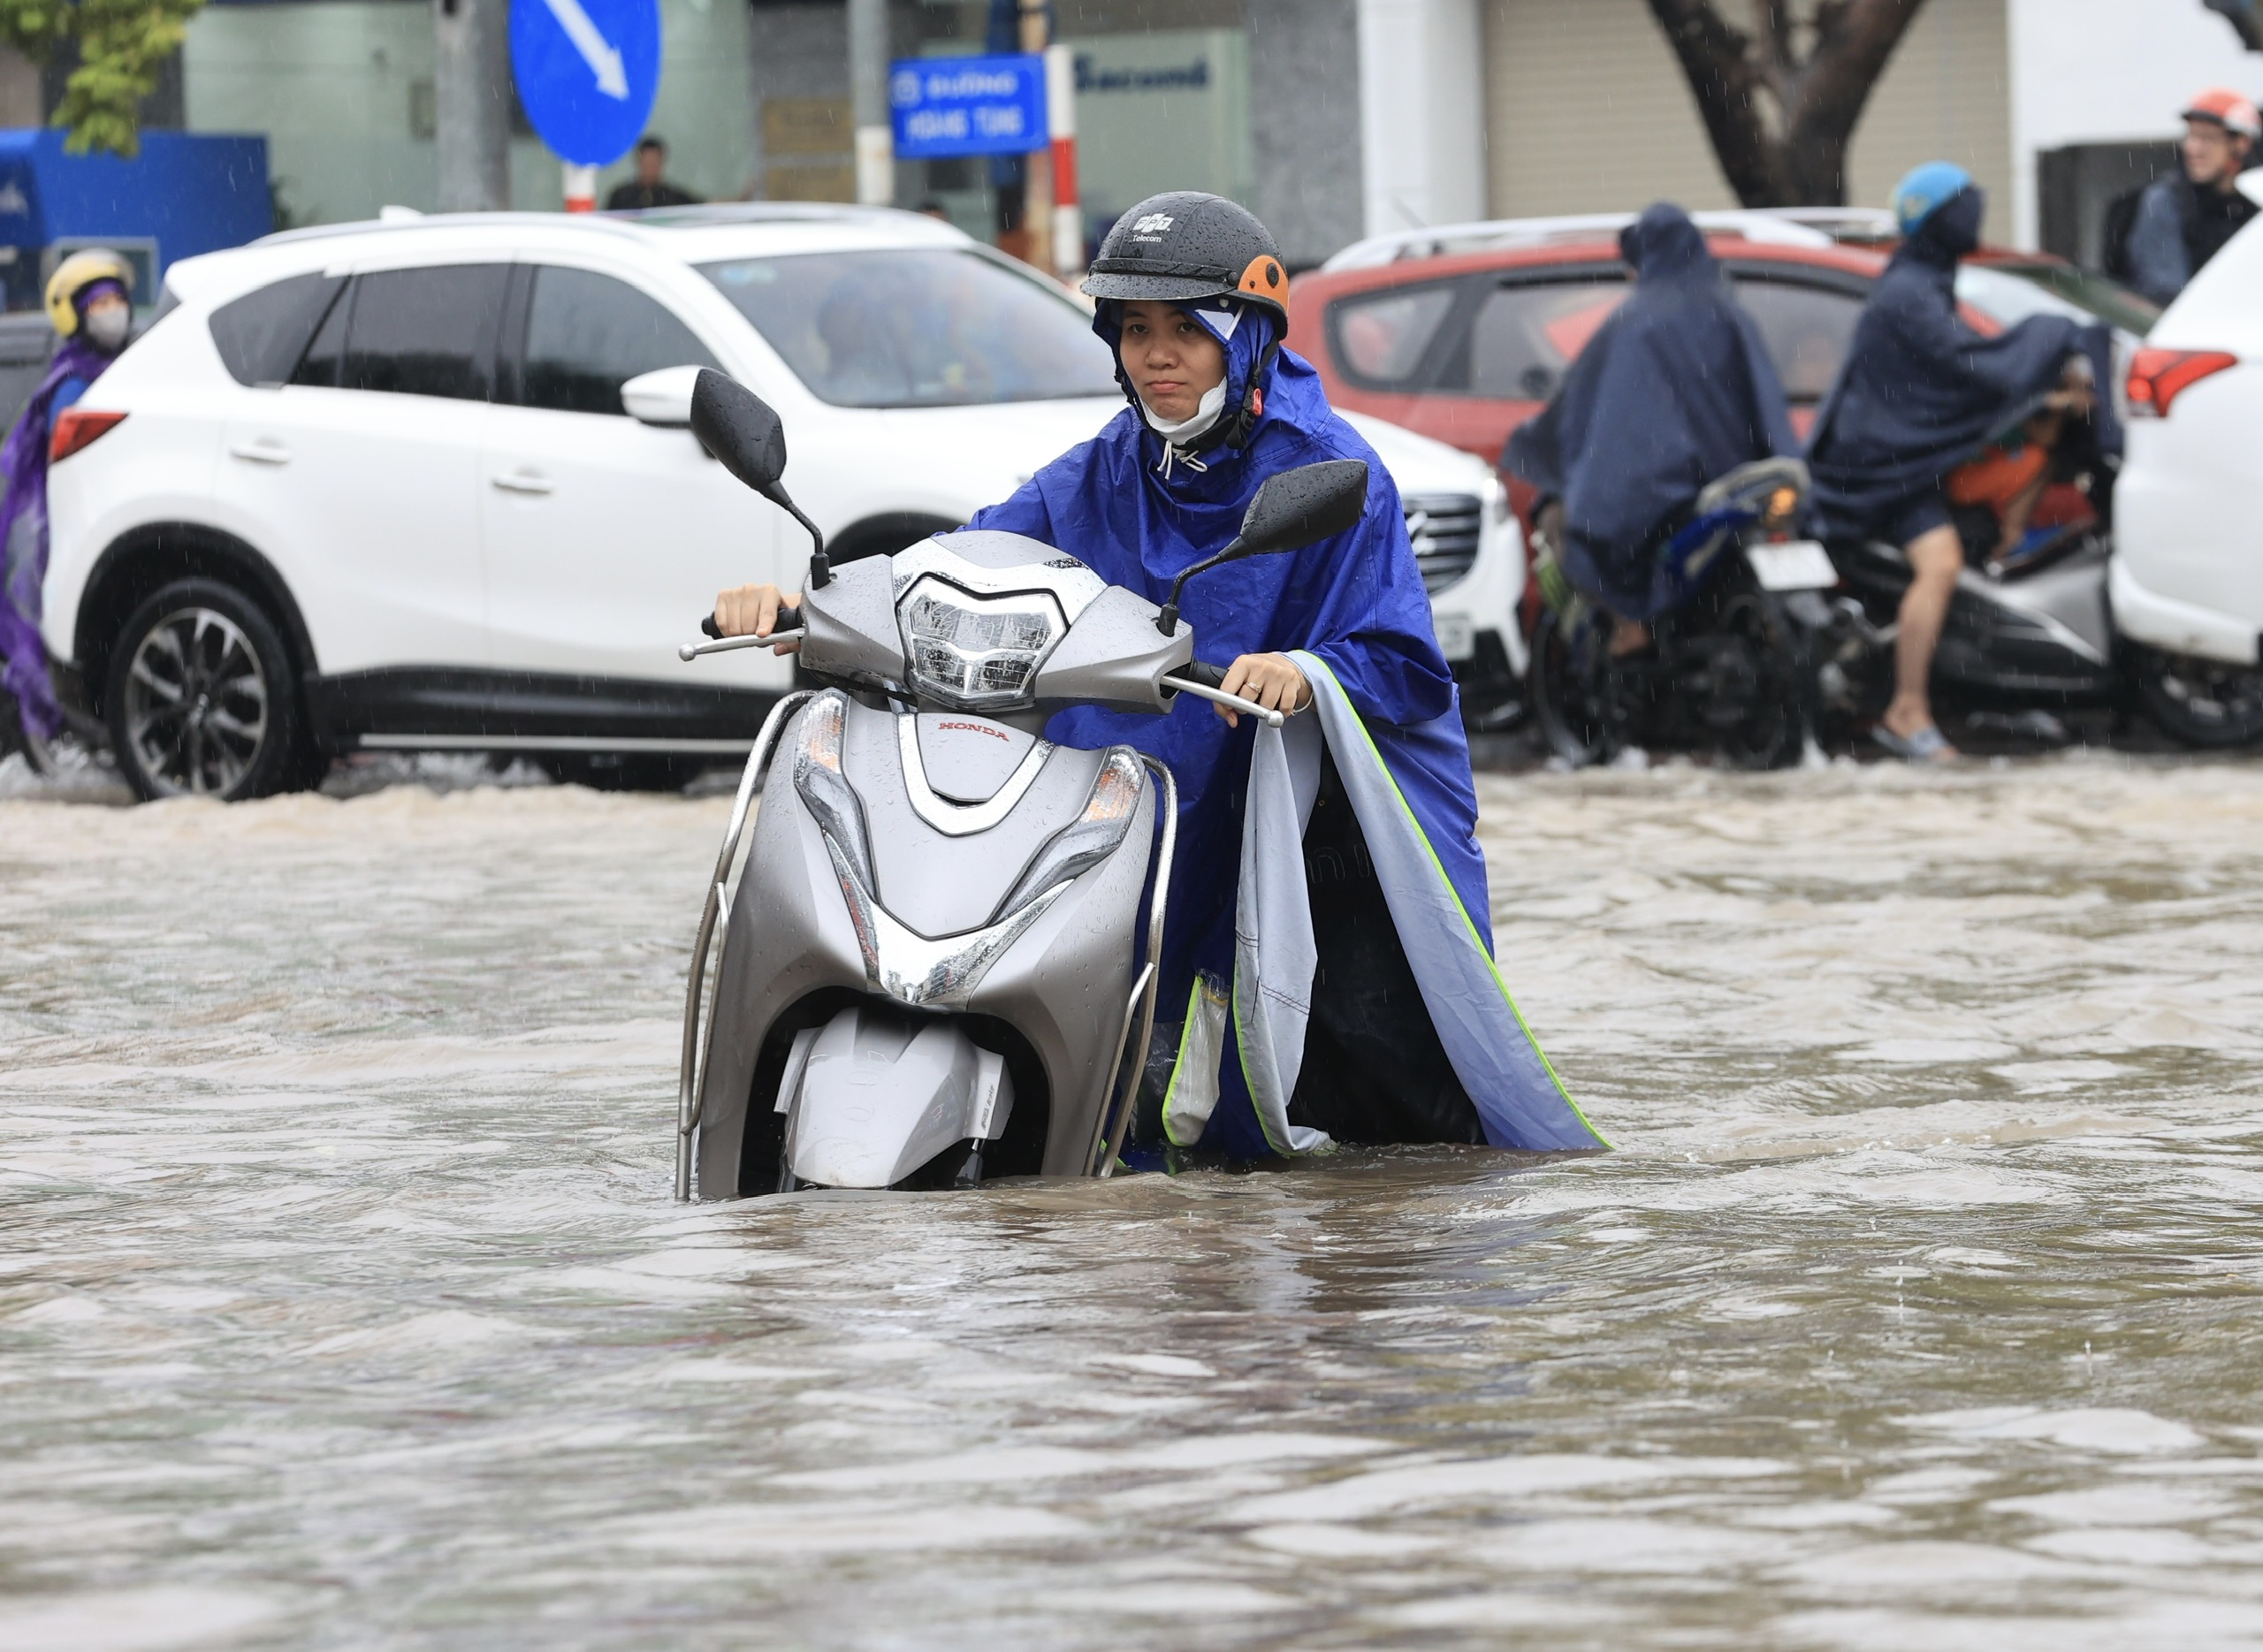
x: 1853, y: 41
x: 121, y: 43
x: 1777, y: 22
x: 2245, y: 16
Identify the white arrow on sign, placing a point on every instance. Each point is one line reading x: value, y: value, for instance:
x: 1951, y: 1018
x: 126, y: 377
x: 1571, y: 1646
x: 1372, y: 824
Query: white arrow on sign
x: 603, y: 61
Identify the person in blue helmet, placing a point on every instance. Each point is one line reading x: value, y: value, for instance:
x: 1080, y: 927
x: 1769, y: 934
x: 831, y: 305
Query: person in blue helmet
x: 1921, y: 392
x: 1402, y: 1030
x: 1675, y: 390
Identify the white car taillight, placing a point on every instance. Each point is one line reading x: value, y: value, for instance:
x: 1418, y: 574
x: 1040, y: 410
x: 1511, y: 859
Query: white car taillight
x: 80, y: 426
x: 2158, y: 377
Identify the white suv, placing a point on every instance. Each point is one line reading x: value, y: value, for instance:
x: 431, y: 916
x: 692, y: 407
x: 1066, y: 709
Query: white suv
x: 424, y: 485
x: 2187, y: 581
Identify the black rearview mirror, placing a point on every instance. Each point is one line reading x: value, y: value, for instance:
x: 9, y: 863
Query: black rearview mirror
x: 739, y: 428
x: 1305, y: 505
x: 1292, y: 509
x: 746, y: 435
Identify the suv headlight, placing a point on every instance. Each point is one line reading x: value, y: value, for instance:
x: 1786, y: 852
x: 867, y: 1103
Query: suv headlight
x: 1081, y: 846
x: 976, y: 653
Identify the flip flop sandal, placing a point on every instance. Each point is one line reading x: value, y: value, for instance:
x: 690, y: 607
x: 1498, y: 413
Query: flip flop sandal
x: 1927, y: 745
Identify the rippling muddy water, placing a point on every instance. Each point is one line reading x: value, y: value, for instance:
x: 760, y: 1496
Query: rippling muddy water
x: 342, y: 1303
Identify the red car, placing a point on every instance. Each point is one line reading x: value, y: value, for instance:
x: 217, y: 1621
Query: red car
x: 1464, y: 333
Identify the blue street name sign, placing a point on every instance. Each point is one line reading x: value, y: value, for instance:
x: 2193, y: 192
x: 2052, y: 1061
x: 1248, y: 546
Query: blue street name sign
x: 588, y: 70
x: 968, y: 105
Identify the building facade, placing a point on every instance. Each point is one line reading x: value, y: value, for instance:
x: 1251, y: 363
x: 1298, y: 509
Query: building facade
x: 1332, y: 118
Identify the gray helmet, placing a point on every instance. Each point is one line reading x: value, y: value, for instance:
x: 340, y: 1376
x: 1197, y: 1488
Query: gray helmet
x: 1188, y: 245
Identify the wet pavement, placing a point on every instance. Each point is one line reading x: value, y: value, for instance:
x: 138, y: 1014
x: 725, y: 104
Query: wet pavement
x: 342, y: 1303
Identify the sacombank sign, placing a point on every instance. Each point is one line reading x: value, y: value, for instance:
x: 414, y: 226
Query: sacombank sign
x: 968, y: 106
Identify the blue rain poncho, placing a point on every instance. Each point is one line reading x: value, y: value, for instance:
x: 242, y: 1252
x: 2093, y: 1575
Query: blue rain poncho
x: 1139, y: 511
x: 1675, y: 390
x: 1921, y: 390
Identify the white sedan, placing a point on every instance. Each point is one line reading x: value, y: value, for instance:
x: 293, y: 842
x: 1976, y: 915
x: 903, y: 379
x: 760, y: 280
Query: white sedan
x: 2187, y: 583
x: 421, y: 484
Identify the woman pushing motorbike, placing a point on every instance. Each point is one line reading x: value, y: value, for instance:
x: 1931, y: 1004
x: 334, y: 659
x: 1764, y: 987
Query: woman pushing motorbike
x: 1192, y: 302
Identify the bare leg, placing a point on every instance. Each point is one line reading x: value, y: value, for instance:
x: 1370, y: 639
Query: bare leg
x: 1935, y: 558
x: 1628, y: 636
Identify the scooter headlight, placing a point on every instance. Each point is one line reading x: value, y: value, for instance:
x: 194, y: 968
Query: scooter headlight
x: 1092, y: 838
x: 976, y: 653
x: 825, y: 790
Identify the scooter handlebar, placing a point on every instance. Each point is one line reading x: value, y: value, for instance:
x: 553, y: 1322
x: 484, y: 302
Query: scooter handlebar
x: 784, y: 629
x: 1202, y: 671
x: 789, y: 619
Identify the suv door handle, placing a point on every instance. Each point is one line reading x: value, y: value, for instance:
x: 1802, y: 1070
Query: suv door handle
x: 524, y: 481
x: 263, y: 451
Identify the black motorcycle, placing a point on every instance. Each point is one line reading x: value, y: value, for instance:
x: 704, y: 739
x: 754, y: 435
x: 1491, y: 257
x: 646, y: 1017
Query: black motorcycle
x: 2029, y: 632
x: 1730, y: 668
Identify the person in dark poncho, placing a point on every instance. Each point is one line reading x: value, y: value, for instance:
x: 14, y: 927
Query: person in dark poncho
x: 1410, y: 1036
x: 1920, y: 393
x: 1675, y: 390
x: 88, y: 303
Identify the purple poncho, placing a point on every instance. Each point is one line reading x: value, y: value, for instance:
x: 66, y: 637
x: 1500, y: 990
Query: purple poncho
x: 23, y: 468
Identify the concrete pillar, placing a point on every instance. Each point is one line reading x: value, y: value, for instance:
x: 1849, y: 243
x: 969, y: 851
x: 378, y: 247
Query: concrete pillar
x: 1421, y: 113
x: 868, y: 95
x: 471, y: 83
x: 1303, y: 92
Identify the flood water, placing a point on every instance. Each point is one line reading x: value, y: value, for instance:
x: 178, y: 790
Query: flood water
x: 342, y: 1303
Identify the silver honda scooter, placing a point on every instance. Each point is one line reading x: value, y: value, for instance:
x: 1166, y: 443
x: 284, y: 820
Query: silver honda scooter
x: 934, y: 965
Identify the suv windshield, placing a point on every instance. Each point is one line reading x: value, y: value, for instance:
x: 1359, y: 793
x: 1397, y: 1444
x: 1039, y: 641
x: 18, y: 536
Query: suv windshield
x: 916, y: 327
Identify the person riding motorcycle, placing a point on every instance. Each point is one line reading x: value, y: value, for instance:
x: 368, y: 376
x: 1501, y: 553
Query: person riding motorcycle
x: 1675, y: 390
x: 89, y: 303
x: 1919, y: 394
x: 1194, y: 304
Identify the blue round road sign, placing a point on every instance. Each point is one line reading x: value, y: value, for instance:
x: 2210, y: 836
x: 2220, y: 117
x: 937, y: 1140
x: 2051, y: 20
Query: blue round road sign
x: 587, y: 70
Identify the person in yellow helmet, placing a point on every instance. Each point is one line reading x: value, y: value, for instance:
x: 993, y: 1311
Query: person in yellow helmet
x: 89, y: 299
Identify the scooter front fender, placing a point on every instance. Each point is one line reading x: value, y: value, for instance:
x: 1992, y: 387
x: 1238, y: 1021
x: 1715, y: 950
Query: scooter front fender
x: 876, y: 1094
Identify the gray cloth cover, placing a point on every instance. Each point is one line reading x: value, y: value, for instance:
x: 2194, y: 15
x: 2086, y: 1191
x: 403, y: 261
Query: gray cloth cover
x: 1518, y: 1096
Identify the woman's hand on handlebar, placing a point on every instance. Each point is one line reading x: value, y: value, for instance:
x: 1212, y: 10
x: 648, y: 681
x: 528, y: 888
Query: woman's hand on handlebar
x: 1271, y: 680
x: 752, y: 611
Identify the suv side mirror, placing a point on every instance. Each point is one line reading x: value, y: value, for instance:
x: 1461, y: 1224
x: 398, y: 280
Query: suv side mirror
x: 662, y: 397
x: 1292, y: 509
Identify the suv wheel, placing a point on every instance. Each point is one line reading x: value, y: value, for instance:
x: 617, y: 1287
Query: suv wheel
x: 2200, y: 702
x: 201, y: 698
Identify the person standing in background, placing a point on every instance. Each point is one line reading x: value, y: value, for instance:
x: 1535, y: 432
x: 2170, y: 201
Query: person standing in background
x: 88, y: 300
x: 2184, y: 218
x: 648, y: 188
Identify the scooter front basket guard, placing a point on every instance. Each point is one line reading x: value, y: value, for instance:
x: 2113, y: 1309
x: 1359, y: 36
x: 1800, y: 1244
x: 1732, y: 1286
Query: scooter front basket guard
x: 691, y: 1068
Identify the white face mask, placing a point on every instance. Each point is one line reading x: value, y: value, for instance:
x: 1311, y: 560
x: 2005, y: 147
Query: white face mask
x: 107, y: 326
x: 1205, y: 415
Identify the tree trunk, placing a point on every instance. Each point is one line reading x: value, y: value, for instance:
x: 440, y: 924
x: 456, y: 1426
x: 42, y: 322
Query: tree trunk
x: 2246, y: 19
x: 1780, y: 120
x: 472, y: 104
